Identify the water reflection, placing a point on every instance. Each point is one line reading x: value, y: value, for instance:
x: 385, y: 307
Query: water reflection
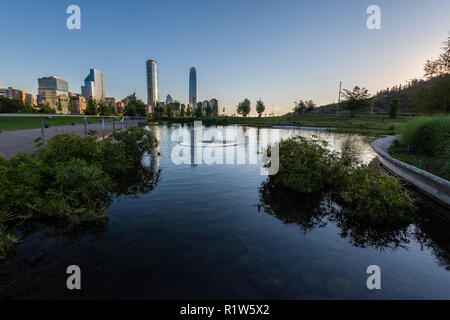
x: 315, y: 211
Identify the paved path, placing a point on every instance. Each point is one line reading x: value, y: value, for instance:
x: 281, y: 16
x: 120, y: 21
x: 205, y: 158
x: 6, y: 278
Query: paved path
x: 12, y: 142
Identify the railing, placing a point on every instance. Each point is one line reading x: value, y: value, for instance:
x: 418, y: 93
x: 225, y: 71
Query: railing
x: 118, y: 122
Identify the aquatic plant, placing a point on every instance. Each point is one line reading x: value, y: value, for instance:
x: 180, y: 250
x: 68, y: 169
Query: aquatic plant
x: 71, y: 179
x: 367, y: 195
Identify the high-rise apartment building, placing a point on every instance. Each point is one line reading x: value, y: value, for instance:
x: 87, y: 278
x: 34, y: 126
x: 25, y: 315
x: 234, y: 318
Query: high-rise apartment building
x: 152, y: 82
x: 93, y: 86
x: 193, y: 92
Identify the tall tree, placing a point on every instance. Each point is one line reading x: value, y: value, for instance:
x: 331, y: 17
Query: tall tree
x: 356, y: 99
x: 260, y: 107
x: 91, y: 108
x: 244, y: 108
x: 393, y: 107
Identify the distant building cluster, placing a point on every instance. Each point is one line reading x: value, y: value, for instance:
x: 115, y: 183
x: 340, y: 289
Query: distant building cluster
x: 153, y: 100
x: 53, y: 93
x: 13, y: 93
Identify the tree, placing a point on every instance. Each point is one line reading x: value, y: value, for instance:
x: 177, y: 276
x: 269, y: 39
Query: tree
x: 300, y: 106
x: 11, y: 105
x: 189, y: 112
x: 310, y: 105
x: 59, y: 105
x: 198, y: 111
x: 182, y: 111
x: 91, y: 108
x: 208, y: 110
x: 260, y: 107
x: 357, y: 99
x: 135, y: 107
x: 243, y: 107
x: 393, y: 107
x: 72, y: 108
x: 440, y: 66
x: 436, y: 96
x: 169, y: 112
x: 102, y: 109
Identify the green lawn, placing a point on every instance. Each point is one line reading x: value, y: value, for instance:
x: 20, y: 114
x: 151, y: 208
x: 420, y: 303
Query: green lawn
x: 21, y: 123
x: 344, y: 124
x: 433, y: 164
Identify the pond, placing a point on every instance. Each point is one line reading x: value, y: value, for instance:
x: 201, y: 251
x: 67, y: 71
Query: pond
x: 218, y: 231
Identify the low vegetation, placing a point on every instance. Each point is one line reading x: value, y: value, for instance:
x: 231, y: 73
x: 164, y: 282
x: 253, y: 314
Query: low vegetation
x: 425, y: 143
x: 365, y: 193
x: 69, y: 181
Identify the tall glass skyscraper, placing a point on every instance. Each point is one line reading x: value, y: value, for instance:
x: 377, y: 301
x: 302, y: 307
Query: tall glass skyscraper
x: 193, y: 93
x: 152, y: 83
x: 93, y: 85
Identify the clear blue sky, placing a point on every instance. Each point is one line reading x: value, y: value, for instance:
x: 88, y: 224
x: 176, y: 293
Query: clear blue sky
x: 280, y: 51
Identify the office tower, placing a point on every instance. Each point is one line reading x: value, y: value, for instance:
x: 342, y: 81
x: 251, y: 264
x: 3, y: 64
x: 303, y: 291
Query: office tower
x: 54, y: 92
x: 169, y: 99
x: 193, y: 92
x: 93, y: 86
x: 152, y: 82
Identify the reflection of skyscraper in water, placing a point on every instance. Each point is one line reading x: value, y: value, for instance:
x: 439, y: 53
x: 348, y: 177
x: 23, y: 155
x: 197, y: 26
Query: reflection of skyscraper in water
x: 156, y: 153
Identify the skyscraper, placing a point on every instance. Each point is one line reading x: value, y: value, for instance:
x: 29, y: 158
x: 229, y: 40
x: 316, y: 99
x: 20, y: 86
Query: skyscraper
x: 193, y: 93
x: 152, y: 82
x: 93, y: 86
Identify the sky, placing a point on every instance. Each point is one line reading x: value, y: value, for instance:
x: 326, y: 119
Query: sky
x: 280, y: 51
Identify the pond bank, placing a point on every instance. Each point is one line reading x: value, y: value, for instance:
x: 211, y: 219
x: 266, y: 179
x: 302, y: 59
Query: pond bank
x: 431, y: 185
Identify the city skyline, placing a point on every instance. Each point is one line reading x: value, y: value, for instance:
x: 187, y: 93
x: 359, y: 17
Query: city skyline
x: 280, y: 52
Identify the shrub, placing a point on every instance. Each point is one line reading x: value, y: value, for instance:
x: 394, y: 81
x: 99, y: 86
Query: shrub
x: 307, y: 166
x: 427, y: 135
x: 375, y: 198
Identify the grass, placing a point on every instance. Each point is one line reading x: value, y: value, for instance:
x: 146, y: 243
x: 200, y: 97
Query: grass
x: 345, y: 124
x: 436, y: 165
x: 425, y: 143
x: 22, y: 123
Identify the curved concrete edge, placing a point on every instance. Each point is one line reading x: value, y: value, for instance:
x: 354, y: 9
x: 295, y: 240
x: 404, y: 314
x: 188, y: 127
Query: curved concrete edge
x: 433, y: 186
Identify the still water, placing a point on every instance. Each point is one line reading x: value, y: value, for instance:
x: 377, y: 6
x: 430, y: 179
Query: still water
x: 204, y: 231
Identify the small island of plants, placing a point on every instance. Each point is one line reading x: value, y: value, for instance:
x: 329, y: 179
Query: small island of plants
x: 70, y: 180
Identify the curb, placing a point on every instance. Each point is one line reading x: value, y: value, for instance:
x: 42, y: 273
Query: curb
x: 429, y: 184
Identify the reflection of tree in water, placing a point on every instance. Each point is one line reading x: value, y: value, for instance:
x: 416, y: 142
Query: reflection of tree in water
x: 139, y: 180
x: 432, y: 231
x: 306, y: 211
x: 314, y: 211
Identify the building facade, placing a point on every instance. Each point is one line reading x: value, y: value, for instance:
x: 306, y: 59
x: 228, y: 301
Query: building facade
x: 214, y: 103
x: 193, y: 92
x: 152, y: 82
x: 6, y: 92
x: 93, y: 86
x: 110, y: 101
x: 78, y: 103
x: 54, y: 92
